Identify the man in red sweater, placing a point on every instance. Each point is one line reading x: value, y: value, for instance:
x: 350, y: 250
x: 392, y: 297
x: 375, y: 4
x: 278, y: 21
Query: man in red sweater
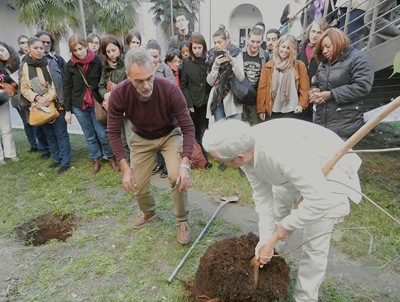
x: 160, y: 120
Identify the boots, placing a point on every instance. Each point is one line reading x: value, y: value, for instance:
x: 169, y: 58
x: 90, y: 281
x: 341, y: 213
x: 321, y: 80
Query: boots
x: 113, y: 164
x: 96, y: 166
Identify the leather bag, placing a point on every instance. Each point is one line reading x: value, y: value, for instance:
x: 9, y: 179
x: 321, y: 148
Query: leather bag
x: 243, y: 92
x: 6, y: 92
x: 100, y: 112
x: 38, y: 116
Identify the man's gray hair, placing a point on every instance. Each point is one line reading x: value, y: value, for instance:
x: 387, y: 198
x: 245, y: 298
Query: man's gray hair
x: 228, y: 138
x: 137, y: 56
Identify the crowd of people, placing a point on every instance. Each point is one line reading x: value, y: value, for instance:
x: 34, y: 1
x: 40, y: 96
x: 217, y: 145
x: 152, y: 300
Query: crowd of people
x: 158, y: 108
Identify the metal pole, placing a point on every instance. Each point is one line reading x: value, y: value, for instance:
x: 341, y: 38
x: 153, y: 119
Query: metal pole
x: 82, y: 18
x: 172, y: 17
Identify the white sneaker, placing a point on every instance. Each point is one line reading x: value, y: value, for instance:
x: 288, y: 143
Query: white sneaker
x: 2, y: 162
x: 14, y: 159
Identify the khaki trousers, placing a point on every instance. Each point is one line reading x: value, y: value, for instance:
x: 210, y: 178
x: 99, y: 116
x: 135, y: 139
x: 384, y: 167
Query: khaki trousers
x: 143, y: 160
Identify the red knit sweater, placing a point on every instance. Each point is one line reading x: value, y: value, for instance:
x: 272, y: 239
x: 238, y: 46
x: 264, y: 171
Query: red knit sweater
x: 157, y: 117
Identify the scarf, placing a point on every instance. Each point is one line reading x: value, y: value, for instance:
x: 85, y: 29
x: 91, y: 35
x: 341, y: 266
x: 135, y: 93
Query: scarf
x: 222, y: 82
x: 286, y: 67
x: 84, y: 65
x: 176, y: 75
x: 112, y: 64
x: 42, y: 64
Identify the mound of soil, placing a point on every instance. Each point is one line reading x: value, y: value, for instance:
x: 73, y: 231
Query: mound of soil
x: 225, y: 274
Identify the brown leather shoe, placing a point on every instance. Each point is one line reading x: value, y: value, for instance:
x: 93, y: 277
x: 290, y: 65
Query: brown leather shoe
x: 140, y: 221
x: 183, y: 232
x: 96, y: 166
x: 113, y: 164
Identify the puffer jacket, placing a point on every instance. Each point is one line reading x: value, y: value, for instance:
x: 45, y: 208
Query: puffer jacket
x: 349, y: 80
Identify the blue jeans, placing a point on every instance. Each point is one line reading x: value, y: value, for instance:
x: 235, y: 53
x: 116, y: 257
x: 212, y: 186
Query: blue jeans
x: 30, y: 134
x: 219, y: 114
x: 355, y: 30
x: 42, y: 144
x: 58, y: 139
x: 95, y: 132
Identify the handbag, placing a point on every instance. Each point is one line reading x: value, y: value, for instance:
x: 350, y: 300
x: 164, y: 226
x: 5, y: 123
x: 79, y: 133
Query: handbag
x: 6, y: 92
x: 38, y: 116
x: 99, y: 111
x: 243, y: 92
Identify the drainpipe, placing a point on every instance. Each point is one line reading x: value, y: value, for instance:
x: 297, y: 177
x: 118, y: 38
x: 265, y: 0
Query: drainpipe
x: 172, y: 17
x: 82, y: 18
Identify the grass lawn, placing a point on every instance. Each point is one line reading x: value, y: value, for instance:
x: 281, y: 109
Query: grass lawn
x: 106, y: 260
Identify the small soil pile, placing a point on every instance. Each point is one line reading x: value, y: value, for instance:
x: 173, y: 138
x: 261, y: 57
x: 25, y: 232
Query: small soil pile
x: 46, y: 227
x: 225, y: 274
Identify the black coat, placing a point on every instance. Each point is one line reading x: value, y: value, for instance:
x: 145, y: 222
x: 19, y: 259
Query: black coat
x: 349, y: 80
x: 194, y: 82
x: 75, y: 87
x: 302, y: 56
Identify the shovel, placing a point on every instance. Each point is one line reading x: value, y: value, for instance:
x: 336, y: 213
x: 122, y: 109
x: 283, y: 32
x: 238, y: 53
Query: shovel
x: 225, y: 201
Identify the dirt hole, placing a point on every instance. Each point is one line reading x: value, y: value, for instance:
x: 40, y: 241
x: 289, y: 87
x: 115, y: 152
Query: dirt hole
x: 224, y: 274
x: 46, y: 227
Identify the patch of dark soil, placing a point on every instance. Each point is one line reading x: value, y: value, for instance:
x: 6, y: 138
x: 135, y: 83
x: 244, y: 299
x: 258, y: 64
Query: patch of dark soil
x: 225, y: 274
x: 45, y: 227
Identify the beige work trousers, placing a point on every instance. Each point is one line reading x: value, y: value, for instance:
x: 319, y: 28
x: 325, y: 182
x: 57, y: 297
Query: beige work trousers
x: 143, y: 160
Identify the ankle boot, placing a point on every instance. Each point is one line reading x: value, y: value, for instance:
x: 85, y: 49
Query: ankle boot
x: 96, y: 166
x: 113, y: 164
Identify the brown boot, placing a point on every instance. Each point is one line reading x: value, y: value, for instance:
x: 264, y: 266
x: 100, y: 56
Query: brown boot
x: 113, y: 164
x: 96, y: 166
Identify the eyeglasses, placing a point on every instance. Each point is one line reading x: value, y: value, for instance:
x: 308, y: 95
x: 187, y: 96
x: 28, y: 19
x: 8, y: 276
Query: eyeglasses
x: 46, y: 42
x: 96, y: 43
x: 23, y: 42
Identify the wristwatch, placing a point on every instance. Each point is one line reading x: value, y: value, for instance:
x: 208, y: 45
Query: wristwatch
x: 186, y: 167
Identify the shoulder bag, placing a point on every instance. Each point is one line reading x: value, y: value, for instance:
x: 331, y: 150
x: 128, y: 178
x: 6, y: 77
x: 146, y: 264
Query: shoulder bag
x: 243, y: 92
x: 99, y: 111
x: 42, y: 115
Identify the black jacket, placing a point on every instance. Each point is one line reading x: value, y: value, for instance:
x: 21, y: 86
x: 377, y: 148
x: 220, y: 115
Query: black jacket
x: 75, y: 87
x: 194, y: 82
x: 349, y: 80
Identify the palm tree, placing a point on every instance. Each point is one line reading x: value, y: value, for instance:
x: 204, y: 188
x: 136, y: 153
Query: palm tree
x: 111, y: 16
x: 54, y: 16
x: 162, y: 12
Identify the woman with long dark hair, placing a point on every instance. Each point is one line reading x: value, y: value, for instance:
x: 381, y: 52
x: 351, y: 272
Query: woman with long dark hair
x: 194, y: 83
x: 81, y: 90
x: 114, y: 73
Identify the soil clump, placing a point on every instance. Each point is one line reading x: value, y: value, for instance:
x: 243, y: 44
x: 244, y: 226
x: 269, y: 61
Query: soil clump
x: 225, y: 274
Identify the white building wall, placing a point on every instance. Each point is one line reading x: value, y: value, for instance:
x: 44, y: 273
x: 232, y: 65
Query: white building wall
x: 10, y: 30
x: 235, y: 14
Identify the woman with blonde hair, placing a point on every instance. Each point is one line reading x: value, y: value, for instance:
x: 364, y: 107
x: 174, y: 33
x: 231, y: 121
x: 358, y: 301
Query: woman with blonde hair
x: 284, y: 84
